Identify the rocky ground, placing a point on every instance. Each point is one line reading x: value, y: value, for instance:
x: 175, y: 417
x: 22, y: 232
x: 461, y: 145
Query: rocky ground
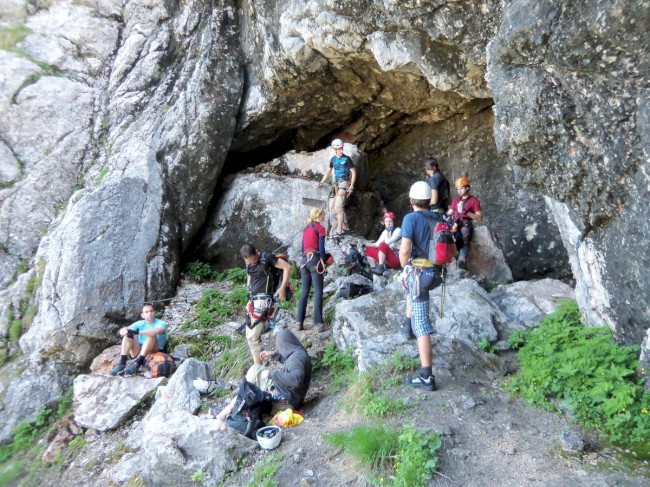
x: 489, y: 438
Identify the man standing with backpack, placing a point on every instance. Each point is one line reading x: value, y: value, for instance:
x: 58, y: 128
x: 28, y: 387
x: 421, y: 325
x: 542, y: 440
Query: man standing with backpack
x: 262, y: 289
x: 440, y: 191
x: 345, y: 176
x: 421, y: 276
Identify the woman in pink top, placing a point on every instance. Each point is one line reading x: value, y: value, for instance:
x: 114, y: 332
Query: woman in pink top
x: 385, y: 250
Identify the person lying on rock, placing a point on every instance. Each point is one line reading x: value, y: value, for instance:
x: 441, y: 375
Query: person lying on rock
x: 288, y: 386
x: 465, y: 210
x: 345, y: 176
x: 149, y: 335
x: 420, y: 277
x: 385, y: 250
x: 260, y: 283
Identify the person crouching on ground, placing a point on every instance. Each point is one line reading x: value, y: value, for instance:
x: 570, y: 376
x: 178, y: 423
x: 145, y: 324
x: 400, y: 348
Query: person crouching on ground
x: 143, y: 337
x: 312, y: 268
x: 421, y: 276
x: 288, y: 386
x: 260, y: 288
x: 465, y: 210
x: 385, y: 250
x: 345, y: 176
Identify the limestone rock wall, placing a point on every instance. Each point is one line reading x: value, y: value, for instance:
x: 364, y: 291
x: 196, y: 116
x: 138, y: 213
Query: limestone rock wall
x: 570, y: 85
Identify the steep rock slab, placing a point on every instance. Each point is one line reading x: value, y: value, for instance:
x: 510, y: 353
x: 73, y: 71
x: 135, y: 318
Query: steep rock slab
x: 103, y: 402
x: 171, y: 116
x: 268, y: 211
x: 570, y: 82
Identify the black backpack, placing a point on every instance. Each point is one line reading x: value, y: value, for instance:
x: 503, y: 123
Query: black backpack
x: 355, y: 261
x: 251, y: 404
x: 275, y: 274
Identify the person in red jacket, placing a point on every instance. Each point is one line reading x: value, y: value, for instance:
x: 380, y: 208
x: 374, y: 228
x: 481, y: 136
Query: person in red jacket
x: 465, y: 209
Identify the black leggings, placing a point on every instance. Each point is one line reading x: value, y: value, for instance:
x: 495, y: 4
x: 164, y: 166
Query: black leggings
x: 309, y: 277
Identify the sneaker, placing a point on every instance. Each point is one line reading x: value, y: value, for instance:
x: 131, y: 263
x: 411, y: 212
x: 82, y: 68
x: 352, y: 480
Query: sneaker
x: 378, y: 270
x: 118, y: 369
x: 426, y: 383
x: 131, y: 369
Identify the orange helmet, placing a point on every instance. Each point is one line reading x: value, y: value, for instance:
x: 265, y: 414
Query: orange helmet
x: 462, y: 182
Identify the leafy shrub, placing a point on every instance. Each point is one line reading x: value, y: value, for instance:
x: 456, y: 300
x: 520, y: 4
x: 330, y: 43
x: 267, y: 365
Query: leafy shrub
x: 516, y: 340
x: 485, y: 345
x: 234, y: 361
x: 405, y: 457
x: 200, y: 271
x: 582, y: 368
x: 214, y: 306
x: 340, y: 366
x: 236, y: 275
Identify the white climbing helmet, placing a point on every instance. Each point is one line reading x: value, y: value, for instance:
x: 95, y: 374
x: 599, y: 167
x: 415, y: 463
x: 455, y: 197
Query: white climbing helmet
x: 269, y: 437
x: 420, y: 191
x: 337, y: 144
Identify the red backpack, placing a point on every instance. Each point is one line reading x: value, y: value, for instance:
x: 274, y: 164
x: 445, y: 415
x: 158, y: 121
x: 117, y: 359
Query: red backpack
x: 441, y: 244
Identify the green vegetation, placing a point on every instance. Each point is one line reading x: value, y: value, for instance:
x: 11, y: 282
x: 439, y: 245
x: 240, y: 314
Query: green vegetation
x: 233, y: 361
x: 266, y: 470
x: 199, y: 476
x: 485, y: 345
x: 236, y: 275
x: 120, y: 450
x: 200, y: 271
x: 340, y: 366
x: 102, y: 175
x: 215, y: 306
x: 404, y: 457
x: 516, y: 340
x: 583, y: 369
x: 77, y: 443
x: 12, y: 35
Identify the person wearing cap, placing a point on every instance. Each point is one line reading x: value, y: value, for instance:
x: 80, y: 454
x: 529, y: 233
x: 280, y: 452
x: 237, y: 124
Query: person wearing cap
x: 289, y: 385
x: 345, y: 176
x: 385, y: 251
x: 420, y: 277
x: 466, y: 209
x: 439, y: 186
x: 312, y: 268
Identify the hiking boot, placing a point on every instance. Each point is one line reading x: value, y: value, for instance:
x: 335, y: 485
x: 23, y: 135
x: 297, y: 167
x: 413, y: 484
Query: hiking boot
x: 378, y: 270
x: 131, y: 369
x: 462, y: 263
x: 118, y: 369
x: 426, y: 383
x: 300, y: 326
x: 322, y: 327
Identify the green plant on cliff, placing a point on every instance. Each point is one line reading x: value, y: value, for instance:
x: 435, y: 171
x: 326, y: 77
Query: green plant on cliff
x: 563, y: 362
x: 12, y: 34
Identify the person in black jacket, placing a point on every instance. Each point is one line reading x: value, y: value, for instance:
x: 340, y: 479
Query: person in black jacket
x: 292, y: 382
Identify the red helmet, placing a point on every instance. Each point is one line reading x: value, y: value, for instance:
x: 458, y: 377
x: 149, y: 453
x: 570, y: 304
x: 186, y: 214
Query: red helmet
x: 389, y: 214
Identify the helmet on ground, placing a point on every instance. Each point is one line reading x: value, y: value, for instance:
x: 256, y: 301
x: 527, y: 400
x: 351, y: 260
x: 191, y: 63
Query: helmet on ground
x: 389, y: 214
x: 337, y: 144
x: 462, y: 182
x: 269, y: 437
x: 420, y: 191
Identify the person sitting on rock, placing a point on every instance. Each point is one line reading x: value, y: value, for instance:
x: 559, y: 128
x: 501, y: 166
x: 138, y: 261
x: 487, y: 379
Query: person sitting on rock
x: 260, y: 289
x: 151, y: 336
x: 345, y: 176
x: 288, y: 386
x: 386, y: 249
x: 465, y: 210
x: 439, y: 186
x: 421, y: 276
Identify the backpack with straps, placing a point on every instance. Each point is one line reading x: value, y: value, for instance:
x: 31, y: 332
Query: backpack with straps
x: 441, y: 241
x: 161, y: 365
x: 275, y: 274
x: 251, y: 404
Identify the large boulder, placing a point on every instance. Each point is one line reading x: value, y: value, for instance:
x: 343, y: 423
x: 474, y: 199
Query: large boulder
x: 270, y: 211
x: 570, y: 85
x: 103, y: 402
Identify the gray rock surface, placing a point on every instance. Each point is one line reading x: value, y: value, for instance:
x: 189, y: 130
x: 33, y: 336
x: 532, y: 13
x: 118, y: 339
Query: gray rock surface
x: 486, y: 259
x: 570, y: 85
x: 176, y: 444
x: 526, y: 302
x: 103, y: 402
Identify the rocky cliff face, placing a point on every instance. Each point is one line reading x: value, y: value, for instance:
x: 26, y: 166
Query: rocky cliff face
x: 120, y: 115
